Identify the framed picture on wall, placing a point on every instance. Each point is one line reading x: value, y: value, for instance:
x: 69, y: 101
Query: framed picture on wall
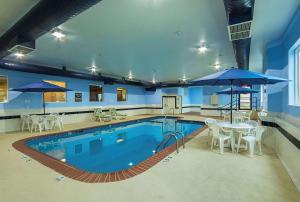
x: 78, y: 97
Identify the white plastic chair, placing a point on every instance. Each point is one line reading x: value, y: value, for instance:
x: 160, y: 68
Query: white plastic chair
x: 262, y: 114
x: 226, y: 115
x: 238, y: 117
x: 37, y: 123
x: 58, y: 121
x: 252, y: 138
x: 247, y: 116
x: 209, y: 122
x: 252, y: 123
x: 221, y: 135
x: 25, y: 122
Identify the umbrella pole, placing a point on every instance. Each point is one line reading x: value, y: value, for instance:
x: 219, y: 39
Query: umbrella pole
x: 44, y: 103
x: 231, y: 103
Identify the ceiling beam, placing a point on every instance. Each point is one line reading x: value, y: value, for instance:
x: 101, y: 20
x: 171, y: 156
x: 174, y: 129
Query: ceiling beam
x: 42, y: 18
x: 38, y: 69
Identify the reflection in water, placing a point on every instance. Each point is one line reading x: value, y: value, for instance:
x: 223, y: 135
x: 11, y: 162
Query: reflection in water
x: 112, y: 148
x: 95, y: 146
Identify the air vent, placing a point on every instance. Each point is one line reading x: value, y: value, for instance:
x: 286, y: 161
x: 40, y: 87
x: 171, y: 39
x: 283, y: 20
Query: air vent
x: 239, y: 31
x: 21, y: 49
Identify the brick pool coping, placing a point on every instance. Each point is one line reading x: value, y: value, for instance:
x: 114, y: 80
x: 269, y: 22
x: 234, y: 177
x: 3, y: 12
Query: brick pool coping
x: 88, y: 177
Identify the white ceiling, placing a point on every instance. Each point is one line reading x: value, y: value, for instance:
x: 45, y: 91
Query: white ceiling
x: 11, y: 11
x: 271, y: 18
x: 140, y: 36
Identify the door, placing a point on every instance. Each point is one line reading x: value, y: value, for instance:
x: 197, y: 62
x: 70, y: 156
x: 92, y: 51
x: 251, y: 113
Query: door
x: 169, y: 104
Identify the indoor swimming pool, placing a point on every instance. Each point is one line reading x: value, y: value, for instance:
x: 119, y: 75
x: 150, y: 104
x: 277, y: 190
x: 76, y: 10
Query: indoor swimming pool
x: 112, y: 148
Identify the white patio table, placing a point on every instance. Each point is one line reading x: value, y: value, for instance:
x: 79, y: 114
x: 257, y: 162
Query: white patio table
x: 235, y: 127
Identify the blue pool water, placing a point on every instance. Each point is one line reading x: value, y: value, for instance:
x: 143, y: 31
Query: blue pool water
x: 111, y: 148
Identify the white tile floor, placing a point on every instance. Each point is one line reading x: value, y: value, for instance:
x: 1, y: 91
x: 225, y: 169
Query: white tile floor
x: 195, y: 174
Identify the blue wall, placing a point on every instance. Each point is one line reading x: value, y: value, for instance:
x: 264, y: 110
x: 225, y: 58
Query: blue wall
x: 276, y: 62
x: 136, y: 95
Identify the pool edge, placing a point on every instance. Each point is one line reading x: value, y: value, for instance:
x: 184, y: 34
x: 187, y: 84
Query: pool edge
x: 88, y: 177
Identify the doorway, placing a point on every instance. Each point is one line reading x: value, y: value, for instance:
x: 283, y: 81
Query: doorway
x: 171, y: 104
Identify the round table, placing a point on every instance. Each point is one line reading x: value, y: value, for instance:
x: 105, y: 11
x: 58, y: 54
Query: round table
x: 236, y: 126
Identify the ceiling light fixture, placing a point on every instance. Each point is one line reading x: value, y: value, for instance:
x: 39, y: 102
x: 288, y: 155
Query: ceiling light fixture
x: 19, y: 55
x: 202, y: 48
x: 93, y: 68
x: 58, y: 33
x: 130, y: 76
x: 217, y: 66
x: 184, y: 79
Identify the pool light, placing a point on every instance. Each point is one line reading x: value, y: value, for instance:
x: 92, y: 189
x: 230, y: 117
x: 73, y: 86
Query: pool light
x: 130, y: 164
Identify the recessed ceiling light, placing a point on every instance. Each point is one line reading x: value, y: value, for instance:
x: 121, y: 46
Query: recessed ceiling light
x: 93, y: 69
x: 19, y: 55
x: 178, y: 32
x: 58, y: 33
x: 217, y: 66
x: 130, y: 76
x: 183, y: 79
x: 202, y: 49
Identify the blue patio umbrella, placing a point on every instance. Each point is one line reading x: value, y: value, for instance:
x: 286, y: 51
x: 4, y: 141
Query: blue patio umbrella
x: 237, y: 77
x: 237, y: 90
x: 41, y: 87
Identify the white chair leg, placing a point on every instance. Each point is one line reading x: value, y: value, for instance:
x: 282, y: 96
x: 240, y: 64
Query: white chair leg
x: 208, y: 137
x: 60, y: 125
x: 28, y: 126
x: 232, y: 144
x: 259, y: 147
x: 23, y: 125
x: 212, y: 143
x: 221, y: 143
x: 239, y: 143
x: 251, y: 147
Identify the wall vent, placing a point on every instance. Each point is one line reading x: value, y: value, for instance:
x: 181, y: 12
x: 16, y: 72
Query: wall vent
x: 21, y: 49
x: 240, y: 31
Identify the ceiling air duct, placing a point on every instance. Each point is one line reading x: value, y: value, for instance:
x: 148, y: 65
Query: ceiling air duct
x: 239, y: 31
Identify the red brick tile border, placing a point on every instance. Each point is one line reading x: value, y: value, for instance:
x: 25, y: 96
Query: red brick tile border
x: 80, y: 175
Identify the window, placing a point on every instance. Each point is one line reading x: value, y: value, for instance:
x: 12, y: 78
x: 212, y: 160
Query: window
x: 121, y: 95
x: 3, y: 89
x: 245, y: 100
x: 297, y: 77
x: 56, y: 96
x: 96, y: 93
